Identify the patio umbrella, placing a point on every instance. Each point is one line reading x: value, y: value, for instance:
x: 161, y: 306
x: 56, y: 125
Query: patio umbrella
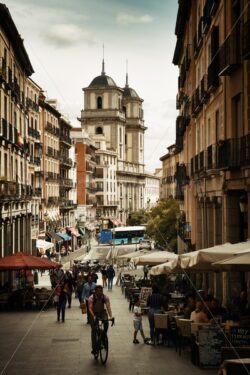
x: 235, y: 263
x: 155, y: 258
x: 23, y: 261
x: 166, y: 268
x: 202, y: 260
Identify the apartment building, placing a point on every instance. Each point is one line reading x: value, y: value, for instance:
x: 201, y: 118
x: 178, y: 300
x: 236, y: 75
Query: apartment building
x: 66, y: 205
x: 168, y: 181
x: 15, y: 182
x: 212, y: 129
x: 50, y: 219
x: 85, y: 179
x: 152, y: 190
x: 35, y: 155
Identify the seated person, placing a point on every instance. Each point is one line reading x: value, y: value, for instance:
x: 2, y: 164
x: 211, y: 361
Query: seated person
x: 241, y: 302
x: 199, y: 314
x: 189, y: 307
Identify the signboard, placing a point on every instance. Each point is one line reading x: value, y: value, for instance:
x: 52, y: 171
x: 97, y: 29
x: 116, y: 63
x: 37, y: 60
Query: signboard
x: 144, y: 294
x: 240, y: 336
x: 211, y: 339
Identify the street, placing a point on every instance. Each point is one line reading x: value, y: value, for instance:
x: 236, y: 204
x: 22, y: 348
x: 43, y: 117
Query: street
x: 34, y: 343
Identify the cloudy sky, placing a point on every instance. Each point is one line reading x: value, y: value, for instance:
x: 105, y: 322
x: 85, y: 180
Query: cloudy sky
x: 64, y: 41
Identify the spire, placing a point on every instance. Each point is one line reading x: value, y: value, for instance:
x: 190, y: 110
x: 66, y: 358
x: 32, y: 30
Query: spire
x: 126, y: 73
x: 103, y: 63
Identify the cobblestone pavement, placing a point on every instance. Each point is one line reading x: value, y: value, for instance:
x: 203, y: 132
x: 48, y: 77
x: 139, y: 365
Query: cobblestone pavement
x: 35, y: 343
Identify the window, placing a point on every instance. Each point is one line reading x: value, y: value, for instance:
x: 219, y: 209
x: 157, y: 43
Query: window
x: 217, y: 126
x: 237, y: 125
x: 99, y: 102
x: 99, y: 130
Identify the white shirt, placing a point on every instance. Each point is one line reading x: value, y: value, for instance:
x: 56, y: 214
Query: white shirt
x: 137, y: 310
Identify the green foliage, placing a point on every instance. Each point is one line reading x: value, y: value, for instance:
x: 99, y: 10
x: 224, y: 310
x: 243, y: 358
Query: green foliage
x: 162, y: 224
x: 138, y: 217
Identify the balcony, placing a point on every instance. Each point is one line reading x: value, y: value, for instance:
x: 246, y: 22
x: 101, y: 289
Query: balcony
x: 8, y: 190
x: 196, y: 103
x: 66, y: 204
x: 3, y: 70
x: 230, y: 154
x: 204, y: 94
x: 229, y: 55
x: 53, y: 200
x: 51, y: 152
x: 213, y: 74
x: 66, y: 139
x: 66, y: 182
x: 211, y: 157
x: 38, y: 192
x: 209, y: 10
x: 198, y: 38
x: 197, y: 163
x: 66, y: 161
x: 246, y: 41
x: 52, y: 129
x: 33, y: 133
x: 51, y: 176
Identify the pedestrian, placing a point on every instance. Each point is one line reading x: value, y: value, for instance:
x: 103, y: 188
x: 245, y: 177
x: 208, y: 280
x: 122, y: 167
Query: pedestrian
x: 94, y: 276
x: 71, y: 284
x: 145, y: 270
x: 138, y: 321
x: 62, y: 292
x: 104, y: 276
x: 155, y: 303
x: 110, y: 276
x: 88, y: 289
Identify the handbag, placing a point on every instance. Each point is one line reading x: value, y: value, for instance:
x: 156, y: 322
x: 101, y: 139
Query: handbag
x: 83, y: 307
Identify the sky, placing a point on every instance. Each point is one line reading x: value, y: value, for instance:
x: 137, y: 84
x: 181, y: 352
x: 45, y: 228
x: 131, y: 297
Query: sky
x: 64, y: 42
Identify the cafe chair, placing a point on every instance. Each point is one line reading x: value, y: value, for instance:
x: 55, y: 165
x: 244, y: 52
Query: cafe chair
x: 184, y: 333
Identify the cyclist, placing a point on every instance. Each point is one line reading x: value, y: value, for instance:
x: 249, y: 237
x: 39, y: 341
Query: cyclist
x: 99, y: 307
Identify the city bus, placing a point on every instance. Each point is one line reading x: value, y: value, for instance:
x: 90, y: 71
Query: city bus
x: 123, y: 235
x: 128, y: 235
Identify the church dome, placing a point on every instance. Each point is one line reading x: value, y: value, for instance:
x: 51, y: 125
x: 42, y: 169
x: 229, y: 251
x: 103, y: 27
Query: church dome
x: 130, y: 93
x: 103, y: 80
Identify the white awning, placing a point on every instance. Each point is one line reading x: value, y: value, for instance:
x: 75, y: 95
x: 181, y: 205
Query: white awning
x: 42, y: 245
x: 154, y: 258
x: 203, y: 259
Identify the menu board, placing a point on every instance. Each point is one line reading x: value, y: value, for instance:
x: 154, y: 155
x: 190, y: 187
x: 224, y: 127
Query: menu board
x: 144, y: 294
x: 211, y: 340
x: 240, y: 336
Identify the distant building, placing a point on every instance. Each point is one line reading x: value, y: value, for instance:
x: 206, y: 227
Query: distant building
x: 113, y: 118
x: 152, y: 190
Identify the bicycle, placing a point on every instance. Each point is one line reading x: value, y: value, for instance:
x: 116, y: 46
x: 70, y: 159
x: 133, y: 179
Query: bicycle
x: 102, y: 344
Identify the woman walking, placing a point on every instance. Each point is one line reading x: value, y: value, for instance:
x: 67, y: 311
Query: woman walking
x: 62, y: 292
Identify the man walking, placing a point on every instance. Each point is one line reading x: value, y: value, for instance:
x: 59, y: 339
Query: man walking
x: 110, y: 276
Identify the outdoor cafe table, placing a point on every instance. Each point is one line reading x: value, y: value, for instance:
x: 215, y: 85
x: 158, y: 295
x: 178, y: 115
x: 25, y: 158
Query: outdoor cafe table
x: 239, y: 366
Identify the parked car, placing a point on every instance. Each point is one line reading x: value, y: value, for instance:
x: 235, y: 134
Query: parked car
x: 145, y: 244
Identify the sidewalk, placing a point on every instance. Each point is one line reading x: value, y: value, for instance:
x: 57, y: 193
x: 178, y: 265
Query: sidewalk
x: 41, y: 345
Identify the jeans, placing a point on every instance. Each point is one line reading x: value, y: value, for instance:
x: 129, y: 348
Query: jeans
x: 61, y: 308
x: 94, y: 328
x: 110, y: 283
x: 69, y: 299
x: 151, y: 319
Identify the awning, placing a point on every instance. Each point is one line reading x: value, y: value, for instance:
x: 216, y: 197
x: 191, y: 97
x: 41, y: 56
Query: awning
x: 44, y: 245
x: 115, y: 222
x: 74, y: 232
x: 81, y: 231
x: 54, y: 236
x: 202, y: 259
x: 236, y: 263
x: 64, y: 236
x: 90, y: 227
x: 155, y: 258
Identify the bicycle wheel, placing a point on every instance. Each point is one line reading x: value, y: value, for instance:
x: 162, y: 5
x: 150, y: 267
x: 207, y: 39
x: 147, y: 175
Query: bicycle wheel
x: 104, y: 349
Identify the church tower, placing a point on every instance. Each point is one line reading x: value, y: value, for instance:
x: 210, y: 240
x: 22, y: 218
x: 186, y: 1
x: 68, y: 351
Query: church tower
x: 134, y: 136
x: 103, y: 116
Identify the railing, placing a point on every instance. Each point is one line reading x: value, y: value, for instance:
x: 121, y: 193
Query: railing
x: 246, y: 40
x: 66, y: 161
x: 65, y: 138
x: 52, y: 129
x: 229, y: 54
x: 3, y: 70
x: 33, y: 132
x: 53, y: 200
x: 38, y: 192
x: 213, y: 74
x: 67, y: 182
x: 198, y: 38
x: 52, y: 176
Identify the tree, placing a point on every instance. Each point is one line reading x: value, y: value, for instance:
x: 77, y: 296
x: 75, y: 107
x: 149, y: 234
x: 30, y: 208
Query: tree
x: 162, y: 224
x: 138, y: 217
